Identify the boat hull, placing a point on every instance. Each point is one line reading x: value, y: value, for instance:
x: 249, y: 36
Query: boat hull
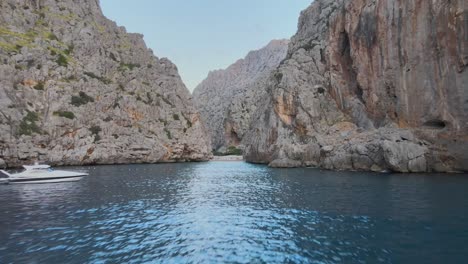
x: 45, y: 180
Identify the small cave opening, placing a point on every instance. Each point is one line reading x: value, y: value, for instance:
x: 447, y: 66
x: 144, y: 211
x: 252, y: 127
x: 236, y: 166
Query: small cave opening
x: 322, y: 56
x: 344, y: 44
x: 435, y: 124
x: 360, y: 92
x: 278, y: 76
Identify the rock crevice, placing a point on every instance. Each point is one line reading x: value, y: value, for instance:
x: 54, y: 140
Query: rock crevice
x: 228, y: 98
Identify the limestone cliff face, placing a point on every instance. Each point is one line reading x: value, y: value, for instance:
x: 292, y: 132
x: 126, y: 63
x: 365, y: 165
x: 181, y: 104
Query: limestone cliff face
x: 77, y: 89
x: 227, y: 98
x: 369, y: 85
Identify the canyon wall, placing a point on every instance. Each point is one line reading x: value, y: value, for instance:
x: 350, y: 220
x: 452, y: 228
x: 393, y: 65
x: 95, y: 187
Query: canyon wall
x: 227, y: 98
x: 369, y: 85
x: 77, y: 89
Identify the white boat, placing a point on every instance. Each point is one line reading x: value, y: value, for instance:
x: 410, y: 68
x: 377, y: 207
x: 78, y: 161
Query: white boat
x: 43, y: 174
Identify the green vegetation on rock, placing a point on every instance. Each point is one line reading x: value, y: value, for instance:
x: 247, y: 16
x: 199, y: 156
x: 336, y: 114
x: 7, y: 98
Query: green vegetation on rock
x: 128, y: 66
x: 65, y: 114
x: 70, y: 49
x: 81, y: 99
x: 14, y: 41
x: 28, y: 125
x: 62, y: 60
x: 95, y: 130
x: 39, y: 86
x: 52, y: 36
x: 168, y: 133
x: 232, y: 150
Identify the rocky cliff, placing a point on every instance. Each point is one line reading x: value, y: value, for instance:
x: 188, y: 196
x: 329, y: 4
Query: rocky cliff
x: 369, y: 85
x: 77, y: 89
x: 227, y: 98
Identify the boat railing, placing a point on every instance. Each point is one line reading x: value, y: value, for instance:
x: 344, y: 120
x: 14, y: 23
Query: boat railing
x: 5, y: 173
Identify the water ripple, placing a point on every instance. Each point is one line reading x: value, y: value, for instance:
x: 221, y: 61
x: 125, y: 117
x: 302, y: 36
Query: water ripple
x: 231, y: 213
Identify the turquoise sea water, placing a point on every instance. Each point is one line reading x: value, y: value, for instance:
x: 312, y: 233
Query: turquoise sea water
x: 233, y: 212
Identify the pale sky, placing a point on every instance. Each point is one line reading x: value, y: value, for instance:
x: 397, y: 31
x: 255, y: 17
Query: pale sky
x: 204, y: 35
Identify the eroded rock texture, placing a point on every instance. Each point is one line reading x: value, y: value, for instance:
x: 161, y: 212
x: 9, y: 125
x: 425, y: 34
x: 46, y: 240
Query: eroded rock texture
x: 369, y: 85
x: 228, y: 98
x: 77, y: 89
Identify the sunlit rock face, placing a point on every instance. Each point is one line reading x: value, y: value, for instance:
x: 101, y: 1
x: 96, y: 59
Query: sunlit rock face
x: 77, y: 89
x: 369, y: 85
x: 227, y: 98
